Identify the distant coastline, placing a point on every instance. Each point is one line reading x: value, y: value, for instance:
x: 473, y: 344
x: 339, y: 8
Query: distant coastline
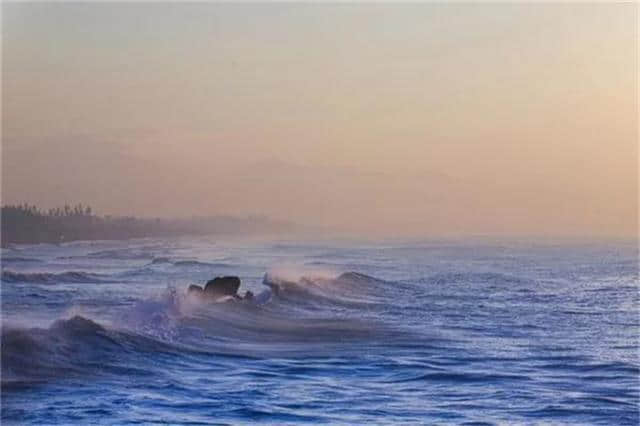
x: 28, y: 224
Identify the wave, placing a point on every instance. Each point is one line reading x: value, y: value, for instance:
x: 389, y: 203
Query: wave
x: 20, y: 260
x: 282, y: 315
x: 71, y: 348
x: 181, y: 324
x: 165, y: 265
x: 61, y: 350
x: 350, y: 289
x: 52, y: 277
x: 188, y: 263
x: 133, y: 253
x: 197, y: 263
x: 353, y: 281
x: 492, y: 278
x: 173, y: 324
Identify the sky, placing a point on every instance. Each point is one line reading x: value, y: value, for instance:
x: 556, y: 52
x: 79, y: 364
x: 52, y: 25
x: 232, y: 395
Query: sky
x: 382, y: 119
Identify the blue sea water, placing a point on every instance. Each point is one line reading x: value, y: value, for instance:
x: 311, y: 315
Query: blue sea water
x: 447, y: 332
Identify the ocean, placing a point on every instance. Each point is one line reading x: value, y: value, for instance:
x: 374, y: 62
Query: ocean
x: 341, y: 332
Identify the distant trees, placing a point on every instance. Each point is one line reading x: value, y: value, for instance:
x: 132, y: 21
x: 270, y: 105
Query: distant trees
x: 26, y: 210
x: 24, y: 223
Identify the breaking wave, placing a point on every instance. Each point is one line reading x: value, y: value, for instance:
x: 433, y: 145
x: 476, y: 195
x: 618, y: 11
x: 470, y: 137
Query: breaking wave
x: 68, y: 348
x: 350, y: 289
x: 175, y: 322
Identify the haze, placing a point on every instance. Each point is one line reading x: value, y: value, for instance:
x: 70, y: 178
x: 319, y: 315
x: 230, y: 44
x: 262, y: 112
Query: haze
x: 385, y: 119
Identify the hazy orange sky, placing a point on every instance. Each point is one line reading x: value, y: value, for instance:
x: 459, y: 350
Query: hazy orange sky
x: 394, y: 119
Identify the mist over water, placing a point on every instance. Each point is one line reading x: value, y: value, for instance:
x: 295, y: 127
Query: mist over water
x: 341, y: 332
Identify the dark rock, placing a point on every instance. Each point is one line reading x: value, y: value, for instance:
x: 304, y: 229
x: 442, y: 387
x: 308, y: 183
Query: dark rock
x: 222, y: 286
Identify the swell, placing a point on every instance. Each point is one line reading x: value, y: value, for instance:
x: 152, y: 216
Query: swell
x: 492, y: 278
x: 67, y: 348
x: 79, y: 347
x: 187, y: 263
x: 166, y: 265
x: 19, y: 260
x: 52, y: 277
x: 197, y: 263
x: 132, y: 253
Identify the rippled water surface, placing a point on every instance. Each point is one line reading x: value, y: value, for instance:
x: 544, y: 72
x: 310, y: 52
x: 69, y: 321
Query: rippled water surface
x: 424, y: 332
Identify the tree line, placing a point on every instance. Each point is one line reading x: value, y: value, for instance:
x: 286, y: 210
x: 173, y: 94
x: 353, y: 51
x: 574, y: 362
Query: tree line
x: 28, y: 224
x: 27, y: 210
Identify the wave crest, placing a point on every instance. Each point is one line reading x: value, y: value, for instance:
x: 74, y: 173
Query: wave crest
x: 351, y: 289
x: 67, y: 347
